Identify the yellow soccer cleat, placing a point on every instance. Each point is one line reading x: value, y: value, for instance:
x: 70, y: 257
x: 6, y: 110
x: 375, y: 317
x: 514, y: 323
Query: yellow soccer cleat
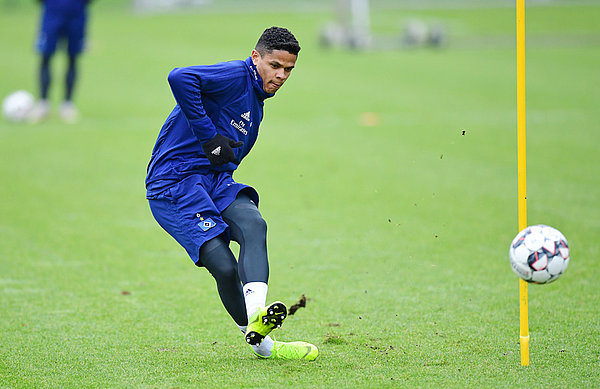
x: 265, y: 320
x: 293, y: 351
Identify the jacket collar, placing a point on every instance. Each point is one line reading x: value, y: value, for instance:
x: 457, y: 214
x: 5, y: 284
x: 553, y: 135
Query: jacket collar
x: 257, y: 81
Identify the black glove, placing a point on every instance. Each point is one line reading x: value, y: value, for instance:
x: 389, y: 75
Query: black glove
x: 219, y: 150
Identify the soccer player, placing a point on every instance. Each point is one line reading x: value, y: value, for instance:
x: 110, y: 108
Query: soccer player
x: 62, y: 20
x: 192, y: 193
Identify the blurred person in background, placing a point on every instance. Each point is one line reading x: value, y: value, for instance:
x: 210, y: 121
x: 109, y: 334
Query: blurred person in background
x: 192, y: 193
x: 62, y: 22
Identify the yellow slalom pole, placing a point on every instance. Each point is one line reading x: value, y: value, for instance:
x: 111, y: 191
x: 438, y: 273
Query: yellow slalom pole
x: 522, y: 172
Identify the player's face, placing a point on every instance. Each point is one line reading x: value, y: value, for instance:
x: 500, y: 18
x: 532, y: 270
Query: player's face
x: 274, y: 68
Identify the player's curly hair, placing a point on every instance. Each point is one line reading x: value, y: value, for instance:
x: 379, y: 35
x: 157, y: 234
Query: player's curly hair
x: 277, y: 38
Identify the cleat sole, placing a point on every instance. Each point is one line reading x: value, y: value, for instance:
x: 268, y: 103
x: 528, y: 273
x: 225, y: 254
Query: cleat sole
x: 254, y: 338
x: 272, y: 319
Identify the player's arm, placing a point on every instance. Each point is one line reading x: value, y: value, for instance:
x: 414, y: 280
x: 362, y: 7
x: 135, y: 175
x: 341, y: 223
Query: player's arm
x: 187, y: 86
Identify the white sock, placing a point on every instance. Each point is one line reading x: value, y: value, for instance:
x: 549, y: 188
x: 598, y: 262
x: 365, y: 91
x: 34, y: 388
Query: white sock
x: 243, y: 329
x: 255, y: 295
x: 264, y: 349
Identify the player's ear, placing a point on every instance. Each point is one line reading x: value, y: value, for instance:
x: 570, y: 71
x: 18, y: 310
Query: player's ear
x: 255, y: 57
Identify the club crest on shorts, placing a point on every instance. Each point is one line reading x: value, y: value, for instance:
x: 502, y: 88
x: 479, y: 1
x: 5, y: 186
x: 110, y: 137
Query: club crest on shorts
x: 205, y: 224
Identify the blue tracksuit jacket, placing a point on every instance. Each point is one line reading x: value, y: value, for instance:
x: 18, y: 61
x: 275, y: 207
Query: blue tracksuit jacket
x: 62, y: 7
x: 227, y: 98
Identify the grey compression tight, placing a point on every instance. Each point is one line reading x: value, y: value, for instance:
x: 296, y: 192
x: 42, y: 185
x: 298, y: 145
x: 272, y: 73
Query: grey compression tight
x: 249, y: 229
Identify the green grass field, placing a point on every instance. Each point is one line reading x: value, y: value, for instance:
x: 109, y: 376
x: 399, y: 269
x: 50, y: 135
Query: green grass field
x: 397, y: 233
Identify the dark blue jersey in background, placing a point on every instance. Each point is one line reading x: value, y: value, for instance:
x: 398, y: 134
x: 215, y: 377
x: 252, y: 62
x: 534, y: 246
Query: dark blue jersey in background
x: 65, y: 6
x: 63, y: 19
x: 226, y: 98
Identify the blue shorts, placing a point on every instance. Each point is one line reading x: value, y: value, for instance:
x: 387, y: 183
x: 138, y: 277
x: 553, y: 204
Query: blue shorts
x: 60, y: 26
x: 190, y: 210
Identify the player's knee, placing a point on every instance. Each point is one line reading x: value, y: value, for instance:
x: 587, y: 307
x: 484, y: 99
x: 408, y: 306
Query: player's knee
x: 245, y: 220
x: 226, y: 272
x: 218, y: 260
x: 252, y: 223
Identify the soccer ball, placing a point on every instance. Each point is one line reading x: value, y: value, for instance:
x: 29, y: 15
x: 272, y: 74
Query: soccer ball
x: 539, y: 254
x: 17, y: 105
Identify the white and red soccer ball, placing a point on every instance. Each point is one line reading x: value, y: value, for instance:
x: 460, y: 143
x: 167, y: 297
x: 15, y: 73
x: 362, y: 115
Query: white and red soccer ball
x: 539, y: 254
